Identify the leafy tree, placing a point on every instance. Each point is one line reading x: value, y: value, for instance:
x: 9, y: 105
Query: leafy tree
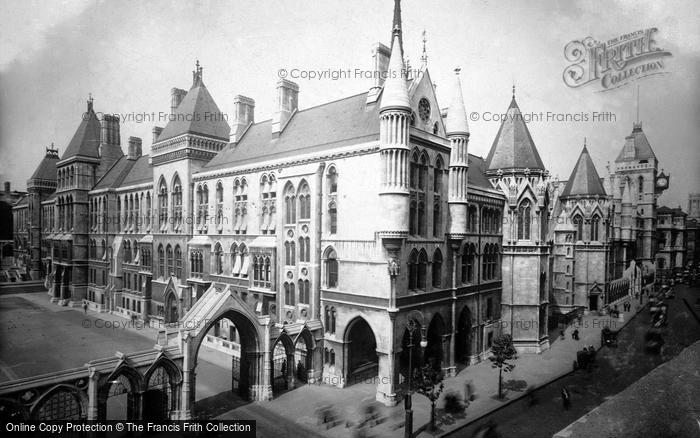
x: 429, y: 383
x: 503, y: 351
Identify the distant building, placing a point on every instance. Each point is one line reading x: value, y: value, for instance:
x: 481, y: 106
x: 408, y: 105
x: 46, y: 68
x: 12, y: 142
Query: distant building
x: 11, y: 238
x: 671, y: 229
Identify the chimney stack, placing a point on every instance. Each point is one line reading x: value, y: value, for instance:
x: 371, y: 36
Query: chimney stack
x: 243, y: 116
x: 380, y: 67
x: 134, y: 148
x: 7, y: 187
x: 110, y: 130
x: 156, y: 132
x: 287, y: 104
x: 176, y: 96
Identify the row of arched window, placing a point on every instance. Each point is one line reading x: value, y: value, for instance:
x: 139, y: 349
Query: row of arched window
x: 93, y: 252
x: 129, y: 212
x: 329, y: 356
x: 99, y: 213
x: 290, y: 292
x: 490, y: 262
x: 239, y: 260
x: 418, y: 195
x: 67, y: 177
x: 304, y: 251
x: 329, y: 319
x: 418, y: 269
x: 593, y: 229
x: 169, y: 261
x: 65, y: 213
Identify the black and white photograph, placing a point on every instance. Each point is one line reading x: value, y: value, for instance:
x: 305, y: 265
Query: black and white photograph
x: 350, y: 219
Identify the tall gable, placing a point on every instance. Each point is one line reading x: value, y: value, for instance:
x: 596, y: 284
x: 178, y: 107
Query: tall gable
x: 86, y: 140
x: 422, y: 88
x: 513, y: 147
x: 197, y: 114
x: 584, y: 179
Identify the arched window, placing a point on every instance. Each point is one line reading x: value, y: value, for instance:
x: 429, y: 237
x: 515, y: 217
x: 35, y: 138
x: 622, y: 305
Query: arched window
x: 327, y: 319
x: 331, y: 269
x: 594, y: 228
x: 218, y: 259
x: 127, y: 251
x: 332, y: 180
x: 578, y: 225
x: 290, y: 250
x: 304, y: 201
x: 219, y: 203
x: 177, y: 203
x: 485, y: 254
x: 289, y: 294
x: 169, y: 255
x: 436, y: 128
x: 471, y: 219
x: 422, y: 269
x: 333, y: 318
x: 641, y: 188
x: 333, y: 355
x: 236, y: 260
x: 290, y: 205
x: 413, y: 270
x: 161, y: 261
x: 418, y: 168
x: 162, y: 204
x: 437, y: 268
x: 524, y: 220
x: 304, y: 286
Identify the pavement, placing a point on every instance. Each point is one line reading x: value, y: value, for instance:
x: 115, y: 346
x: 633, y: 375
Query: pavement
x: 531, y: 371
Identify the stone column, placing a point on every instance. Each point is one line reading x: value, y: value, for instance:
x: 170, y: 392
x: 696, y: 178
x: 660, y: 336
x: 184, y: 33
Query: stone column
x: 387, y: 371
x: 188, y: 387
x: 93, y: 408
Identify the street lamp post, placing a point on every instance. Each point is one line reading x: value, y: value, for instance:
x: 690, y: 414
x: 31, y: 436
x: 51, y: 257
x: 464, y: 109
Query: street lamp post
x: 411, y: 327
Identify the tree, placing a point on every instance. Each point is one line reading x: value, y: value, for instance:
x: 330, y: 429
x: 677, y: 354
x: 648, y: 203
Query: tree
x: 502, y: 351
x: 429, y: 383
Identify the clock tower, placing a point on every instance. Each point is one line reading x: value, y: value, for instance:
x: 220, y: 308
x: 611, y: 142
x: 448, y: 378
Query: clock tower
x: 636, y: 184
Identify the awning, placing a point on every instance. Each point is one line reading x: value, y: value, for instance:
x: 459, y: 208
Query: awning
x: 264, y: 242
x: 200, y: 240
x: 148, y: 238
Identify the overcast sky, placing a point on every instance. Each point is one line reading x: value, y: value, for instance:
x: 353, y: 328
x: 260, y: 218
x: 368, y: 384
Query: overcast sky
x: 129, y: 55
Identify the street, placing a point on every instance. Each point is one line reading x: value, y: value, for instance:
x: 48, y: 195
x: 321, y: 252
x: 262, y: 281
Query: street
x: 616, y: 369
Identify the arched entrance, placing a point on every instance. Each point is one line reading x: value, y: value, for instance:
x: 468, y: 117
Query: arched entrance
x: 303, y: 356
x: 171, y: 307
x: 282, y: 366
x: 162, y: 390
x: 120, y: 395
x: 434, y: 350
x: 221, y: 381
x: 463, y: 342
x: 363, y: 362
x: 411, y: 351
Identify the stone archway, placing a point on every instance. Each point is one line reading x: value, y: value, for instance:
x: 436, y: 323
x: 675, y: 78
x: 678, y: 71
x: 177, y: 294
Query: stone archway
x: 362, y: 358
x: 120, y: 393
x: 463, y: 344
x: 435, y: 350
x: 304, y: 347
x: 282, y: 364
x: 172, y: 313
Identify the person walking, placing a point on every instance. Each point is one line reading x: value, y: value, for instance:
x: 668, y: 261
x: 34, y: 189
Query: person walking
x: 85, y: 306
x: 565, y: 399
x: 574, y: 335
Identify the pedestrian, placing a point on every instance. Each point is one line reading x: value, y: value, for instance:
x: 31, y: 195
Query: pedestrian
x: 574, y: 335
x: 561, y: 333
x: 85, y: 306
x: 565, y: 399
x: 283, y: 369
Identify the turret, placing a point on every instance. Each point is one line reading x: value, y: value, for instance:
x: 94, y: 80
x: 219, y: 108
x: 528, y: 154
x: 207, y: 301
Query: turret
x: 395, y: 115
x: 457, y: 129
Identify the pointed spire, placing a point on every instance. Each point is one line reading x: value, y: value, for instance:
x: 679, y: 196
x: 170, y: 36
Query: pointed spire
x: 513, y: 90
x: 395, y: 94
x: 456, y: 122
x: 396, y: 26
x: 584, y: 179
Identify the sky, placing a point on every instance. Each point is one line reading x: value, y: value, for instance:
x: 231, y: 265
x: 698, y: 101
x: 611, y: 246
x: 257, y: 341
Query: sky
x: 129, y: 54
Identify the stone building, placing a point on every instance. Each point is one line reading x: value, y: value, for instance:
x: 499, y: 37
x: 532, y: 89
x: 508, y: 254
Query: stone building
x: 345, y: 240
x: 671, y: 228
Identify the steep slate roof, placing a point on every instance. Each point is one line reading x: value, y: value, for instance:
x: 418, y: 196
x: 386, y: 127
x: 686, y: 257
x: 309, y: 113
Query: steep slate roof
x: 197, y: 114
x: 140, y: 172
x: 86, y: 140
x: 642, y: 148
x: 475, y: 175
x: 513, y: 146
x: 324, y: 127
x: 47, y: 167
x: 116, y: 174
x: 584, y: 179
